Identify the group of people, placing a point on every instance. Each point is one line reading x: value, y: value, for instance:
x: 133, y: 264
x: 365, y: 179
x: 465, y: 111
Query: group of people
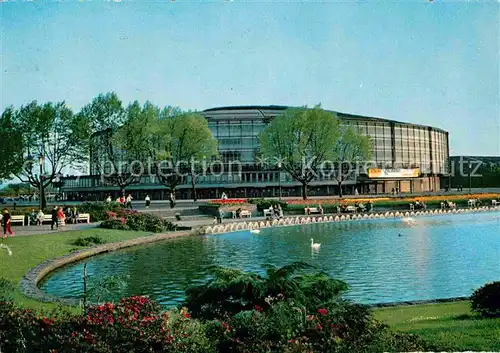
x: 277, y: 212
x: 127, y: 201
x: 59, y: 216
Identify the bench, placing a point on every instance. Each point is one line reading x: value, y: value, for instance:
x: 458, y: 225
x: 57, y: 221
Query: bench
x: 471, y: 202
x: 268, y: 212
x: 245, y: 213
x: 84, y: 217
x: 412, y: 207
x: 312, y: 210
x: 495, y: 203
x: 17, y: 219
x: 350, y: 209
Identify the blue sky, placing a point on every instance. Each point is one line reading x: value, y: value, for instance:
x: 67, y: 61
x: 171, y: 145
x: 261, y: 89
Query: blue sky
x: 428, y: 63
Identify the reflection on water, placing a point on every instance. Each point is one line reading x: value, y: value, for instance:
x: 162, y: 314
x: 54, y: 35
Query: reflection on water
x: 382, y: 260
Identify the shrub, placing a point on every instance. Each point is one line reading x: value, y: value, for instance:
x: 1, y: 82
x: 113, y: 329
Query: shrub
x: 263, y: 204
x: 98, y: 210
x: 88, y: 241
x: 486, y: 300
x: 231, y: 291
x: 133, y: 325
x: 133, y: 220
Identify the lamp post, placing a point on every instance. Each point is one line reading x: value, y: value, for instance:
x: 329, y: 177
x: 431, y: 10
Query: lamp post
x: 279, y: 178
x: 40, y: 163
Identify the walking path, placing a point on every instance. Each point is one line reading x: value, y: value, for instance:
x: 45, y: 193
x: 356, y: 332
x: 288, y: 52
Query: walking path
x: 45, y: 229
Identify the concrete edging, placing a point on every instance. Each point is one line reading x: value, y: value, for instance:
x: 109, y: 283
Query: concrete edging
x: 29, y: 282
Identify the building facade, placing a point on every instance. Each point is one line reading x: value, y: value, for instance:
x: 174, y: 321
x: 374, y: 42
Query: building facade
x: 407, y: 157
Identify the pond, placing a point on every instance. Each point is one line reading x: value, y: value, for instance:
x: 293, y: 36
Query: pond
x: 383, y: 260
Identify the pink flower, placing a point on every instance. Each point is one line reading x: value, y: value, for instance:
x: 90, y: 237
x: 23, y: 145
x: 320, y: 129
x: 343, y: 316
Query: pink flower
x: 258, y: 308
x: 323, y: 311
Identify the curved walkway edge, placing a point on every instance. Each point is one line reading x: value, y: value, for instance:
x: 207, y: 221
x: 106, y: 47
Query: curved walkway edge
x: 29, y: 283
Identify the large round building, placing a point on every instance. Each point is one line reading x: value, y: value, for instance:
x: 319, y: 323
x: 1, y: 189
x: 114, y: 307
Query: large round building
x: 407, y: 157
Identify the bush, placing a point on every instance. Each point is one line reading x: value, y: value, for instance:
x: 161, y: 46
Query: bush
x: 133, y: 325
x: 263, y: 204
x: 88, y: 241
x: 133, y: 220
x: 99, y: 210
x: 486, y: 300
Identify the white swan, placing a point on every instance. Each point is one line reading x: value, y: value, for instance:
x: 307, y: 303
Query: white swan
x: 314, y: 245
x: 255, y: 231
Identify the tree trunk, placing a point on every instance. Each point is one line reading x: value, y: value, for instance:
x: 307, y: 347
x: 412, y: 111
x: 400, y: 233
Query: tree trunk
x: 43, y: 199
x: 340, y: 189
x: 304, y: 191
x: 193, y: 187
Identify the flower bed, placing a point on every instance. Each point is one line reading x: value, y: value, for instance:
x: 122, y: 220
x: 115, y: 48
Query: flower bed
x: 133, y: 220
x: 228, y: 201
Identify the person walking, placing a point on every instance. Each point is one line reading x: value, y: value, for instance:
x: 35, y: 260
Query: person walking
x: 172, y: 200
x: 148, y: 201
x: 61, y: 217
x: 129, y: 201
x: 54, y: 219
x: 6, y: 223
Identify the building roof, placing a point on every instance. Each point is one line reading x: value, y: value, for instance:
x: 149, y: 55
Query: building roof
x: 340, y: 114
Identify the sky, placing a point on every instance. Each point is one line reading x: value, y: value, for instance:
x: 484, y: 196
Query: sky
x: 432, y: 63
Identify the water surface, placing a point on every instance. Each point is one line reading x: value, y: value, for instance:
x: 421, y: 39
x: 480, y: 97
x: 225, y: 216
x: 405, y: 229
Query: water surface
x: 383, y: 260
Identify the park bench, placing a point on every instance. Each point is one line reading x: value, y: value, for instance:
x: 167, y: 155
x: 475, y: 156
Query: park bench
x: 495, y: 203
x: 83, y: 217
x: 472, y: 202
x: 245, y: 213
x: 311, y: 210
x: 268, y: 212
x: 17, y: 219
x: 350, y: 209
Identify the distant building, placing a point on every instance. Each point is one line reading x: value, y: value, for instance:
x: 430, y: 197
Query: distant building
x: 407, y: 157
x: 484, y: 170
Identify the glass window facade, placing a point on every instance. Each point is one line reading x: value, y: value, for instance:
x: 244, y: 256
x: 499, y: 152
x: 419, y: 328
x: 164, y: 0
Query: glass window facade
x: 394, y: 145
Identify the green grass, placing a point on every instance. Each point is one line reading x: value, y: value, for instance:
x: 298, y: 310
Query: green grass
x: 450, y: 326
x: 29, y: 251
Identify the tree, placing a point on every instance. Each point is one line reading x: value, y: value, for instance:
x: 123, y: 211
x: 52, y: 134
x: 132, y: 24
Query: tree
x: 100, y: 122
x: 10, y: 145
x: 301, y: 139
x: 186, y: 141
x: 350, y: 149
x: 49, y: 143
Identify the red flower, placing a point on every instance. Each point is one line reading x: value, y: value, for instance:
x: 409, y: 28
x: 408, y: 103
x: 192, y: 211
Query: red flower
x: 226, y: 326
x: 310, y: 317
x: 258, y: 308
x: 319, y: 327
x: 187, y: 315
x: 323, y: 311
x: 48, y: 321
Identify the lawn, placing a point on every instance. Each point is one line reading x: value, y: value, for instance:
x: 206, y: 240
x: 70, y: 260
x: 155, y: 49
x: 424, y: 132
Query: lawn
x: 29, y: 251
x: 451, y: 326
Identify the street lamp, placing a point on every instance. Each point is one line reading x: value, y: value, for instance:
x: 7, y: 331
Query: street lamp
x: 279, y: 177
x: 40, y: 163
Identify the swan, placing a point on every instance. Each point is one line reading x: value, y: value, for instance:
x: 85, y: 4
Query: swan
x: 314, y: 245
x: 255, y: 231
